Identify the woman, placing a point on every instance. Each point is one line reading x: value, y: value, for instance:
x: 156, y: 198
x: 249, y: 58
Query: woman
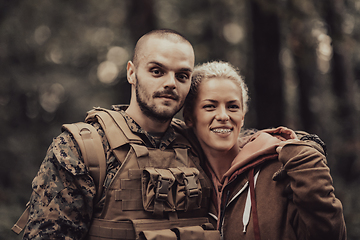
x: 269, y: 185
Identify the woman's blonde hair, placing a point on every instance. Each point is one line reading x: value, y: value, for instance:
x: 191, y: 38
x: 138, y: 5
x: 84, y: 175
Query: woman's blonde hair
x: 213, y: 69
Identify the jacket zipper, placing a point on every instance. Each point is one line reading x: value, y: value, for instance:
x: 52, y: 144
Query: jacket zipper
x: 222, y: 213
x: 226, y: 203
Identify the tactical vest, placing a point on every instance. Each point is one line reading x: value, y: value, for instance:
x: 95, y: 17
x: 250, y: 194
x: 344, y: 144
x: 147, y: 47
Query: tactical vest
x: 155, y: 193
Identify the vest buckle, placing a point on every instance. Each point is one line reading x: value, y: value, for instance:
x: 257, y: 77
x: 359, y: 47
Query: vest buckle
x: 191, y: 186
x: 162, y: 188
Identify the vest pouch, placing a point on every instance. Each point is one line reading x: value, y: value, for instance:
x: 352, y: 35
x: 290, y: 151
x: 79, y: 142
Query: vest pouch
x: 196, y: 233
x: 190, y: 233
x: 156, y: 187
x: 188, y: 190
x: 167, y: 229
x: 165, y: 234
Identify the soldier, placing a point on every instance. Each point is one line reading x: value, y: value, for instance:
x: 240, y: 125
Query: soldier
x: 153, y: 186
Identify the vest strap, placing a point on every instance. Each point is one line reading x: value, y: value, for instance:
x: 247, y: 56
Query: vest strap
x: 140, y: 150
x: 128, y: 194
x: 21, y: 223
x: 132, y: 205
x: 111, y: 230
x: 165, y: 234
x: 92, y: 150
x: 126, y: 229
x: 130, y: 184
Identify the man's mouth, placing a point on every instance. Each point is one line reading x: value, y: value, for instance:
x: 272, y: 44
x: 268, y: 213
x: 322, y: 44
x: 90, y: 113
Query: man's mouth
x: 169, y: 95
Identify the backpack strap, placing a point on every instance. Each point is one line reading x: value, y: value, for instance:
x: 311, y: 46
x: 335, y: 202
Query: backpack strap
x: 21, y: 222
x: 115, y: 127
x: 92, y: 150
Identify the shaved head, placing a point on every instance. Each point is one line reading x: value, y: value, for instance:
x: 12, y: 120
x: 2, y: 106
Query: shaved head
x: 167, y: 34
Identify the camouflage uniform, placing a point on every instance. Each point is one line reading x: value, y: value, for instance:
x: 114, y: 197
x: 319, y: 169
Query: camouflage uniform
x: 61, y: 204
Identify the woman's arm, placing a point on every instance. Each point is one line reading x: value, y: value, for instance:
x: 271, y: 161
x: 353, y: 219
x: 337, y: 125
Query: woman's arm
x: 319, y: 212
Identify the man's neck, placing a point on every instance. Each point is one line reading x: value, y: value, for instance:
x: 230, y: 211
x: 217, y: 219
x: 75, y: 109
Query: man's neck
x: 146, y: 123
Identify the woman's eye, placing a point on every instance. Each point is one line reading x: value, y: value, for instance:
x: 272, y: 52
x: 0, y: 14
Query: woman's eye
x: 209, y: 106
x: 234, y: 107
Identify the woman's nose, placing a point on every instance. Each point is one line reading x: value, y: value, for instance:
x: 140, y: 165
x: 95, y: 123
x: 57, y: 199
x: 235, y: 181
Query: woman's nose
x: 222, y: 115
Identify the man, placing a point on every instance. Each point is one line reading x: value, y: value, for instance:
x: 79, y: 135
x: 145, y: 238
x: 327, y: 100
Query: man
x: 140, y: 147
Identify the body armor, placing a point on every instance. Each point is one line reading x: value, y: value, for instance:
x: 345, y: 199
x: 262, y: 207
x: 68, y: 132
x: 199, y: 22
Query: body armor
x: 155, y: 193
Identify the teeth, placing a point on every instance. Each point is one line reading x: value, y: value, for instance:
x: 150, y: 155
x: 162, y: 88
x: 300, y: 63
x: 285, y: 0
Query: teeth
x: 221, y: 130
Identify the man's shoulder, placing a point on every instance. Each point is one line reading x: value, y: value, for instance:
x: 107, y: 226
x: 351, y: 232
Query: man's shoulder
x: 68, y: 154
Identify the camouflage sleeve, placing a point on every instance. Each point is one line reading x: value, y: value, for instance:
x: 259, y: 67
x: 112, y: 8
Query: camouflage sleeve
x: 61, y: 203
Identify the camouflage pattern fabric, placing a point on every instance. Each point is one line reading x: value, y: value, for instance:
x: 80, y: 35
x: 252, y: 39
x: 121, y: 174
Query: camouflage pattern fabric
x: 61, y: 204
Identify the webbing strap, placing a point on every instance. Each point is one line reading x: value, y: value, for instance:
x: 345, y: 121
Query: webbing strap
x: 164, y: 234
x: 164, y: 183
x: 132, y: 205
x: 131, y: 229
x: 130, y: 183
x: 92, y: 150
x: 182, y: 155
x: 115, y: 127
x: 192, y: 232
x: 21, y: 223
x: 135, y: 173
x: 115, y: 230
x: 127, y: 194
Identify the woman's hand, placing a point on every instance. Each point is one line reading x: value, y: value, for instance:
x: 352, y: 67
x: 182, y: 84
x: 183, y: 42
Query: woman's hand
x: 282, y: 133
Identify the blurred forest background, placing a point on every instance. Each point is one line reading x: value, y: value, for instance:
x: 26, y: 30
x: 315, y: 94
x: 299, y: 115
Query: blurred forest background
x: 300, y: 59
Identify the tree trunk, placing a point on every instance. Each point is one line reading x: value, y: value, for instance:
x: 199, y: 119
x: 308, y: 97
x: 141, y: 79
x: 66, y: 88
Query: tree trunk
x: 268, y: 77
x: 141, y: 18
x: 344, y: 89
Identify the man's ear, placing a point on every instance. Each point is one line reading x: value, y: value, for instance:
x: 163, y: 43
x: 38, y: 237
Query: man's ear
x: 131, y: 72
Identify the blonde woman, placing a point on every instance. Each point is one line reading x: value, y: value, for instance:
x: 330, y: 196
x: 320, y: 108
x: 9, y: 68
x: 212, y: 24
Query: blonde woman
x: 268, y: 185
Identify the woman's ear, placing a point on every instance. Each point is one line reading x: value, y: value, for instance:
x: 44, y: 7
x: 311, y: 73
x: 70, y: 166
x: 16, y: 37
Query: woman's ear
x: 188, y: 121
x: 242, y: 121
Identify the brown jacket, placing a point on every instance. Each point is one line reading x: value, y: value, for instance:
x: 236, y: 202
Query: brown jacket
x: 294, y: 197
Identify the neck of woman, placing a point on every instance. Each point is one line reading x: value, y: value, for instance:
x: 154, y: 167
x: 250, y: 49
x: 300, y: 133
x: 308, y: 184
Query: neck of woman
x: 220, y: 161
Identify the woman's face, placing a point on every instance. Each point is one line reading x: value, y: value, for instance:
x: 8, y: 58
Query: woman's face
x: 218, y: 115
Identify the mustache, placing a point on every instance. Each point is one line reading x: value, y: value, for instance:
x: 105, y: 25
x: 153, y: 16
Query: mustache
x: 167, y: 93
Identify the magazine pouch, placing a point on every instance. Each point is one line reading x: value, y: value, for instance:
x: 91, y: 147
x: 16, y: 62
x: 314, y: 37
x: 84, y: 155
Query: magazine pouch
x: 187, y: 189
x: 156, y: 191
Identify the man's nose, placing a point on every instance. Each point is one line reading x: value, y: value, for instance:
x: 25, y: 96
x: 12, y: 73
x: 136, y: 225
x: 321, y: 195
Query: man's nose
x: 170, y: 81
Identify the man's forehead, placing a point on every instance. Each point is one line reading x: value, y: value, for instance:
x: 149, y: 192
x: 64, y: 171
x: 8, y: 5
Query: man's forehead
x: 160, y: 51
x: 166, y: 65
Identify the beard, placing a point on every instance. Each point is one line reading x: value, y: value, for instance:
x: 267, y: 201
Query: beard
x: 151, y: 110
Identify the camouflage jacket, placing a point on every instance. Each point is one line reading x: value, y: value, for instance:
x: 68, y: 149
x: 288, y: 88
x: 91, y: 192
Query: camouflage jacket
x: 61, y: 204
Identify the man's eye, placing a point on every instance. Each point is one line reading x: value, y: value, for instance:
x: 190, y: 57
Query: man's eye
x: 182, y: 77
x: 156, y: 71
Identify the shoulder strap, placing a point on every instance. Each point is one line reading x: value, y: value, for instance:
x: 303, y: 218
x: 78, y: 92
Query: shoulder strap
x: 21, y: 222
x: 92, y: 151
x: 115, y: 127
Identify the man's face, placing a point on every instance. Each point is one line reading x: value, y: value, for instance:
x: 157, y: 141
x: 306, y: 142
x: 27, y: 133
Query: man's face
x: 162, y: 77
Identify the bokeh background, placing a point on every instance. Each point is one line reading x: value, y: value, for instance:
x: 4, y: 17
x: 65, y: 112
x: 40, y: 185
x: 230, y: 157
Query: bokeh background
x: 58, y: 59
